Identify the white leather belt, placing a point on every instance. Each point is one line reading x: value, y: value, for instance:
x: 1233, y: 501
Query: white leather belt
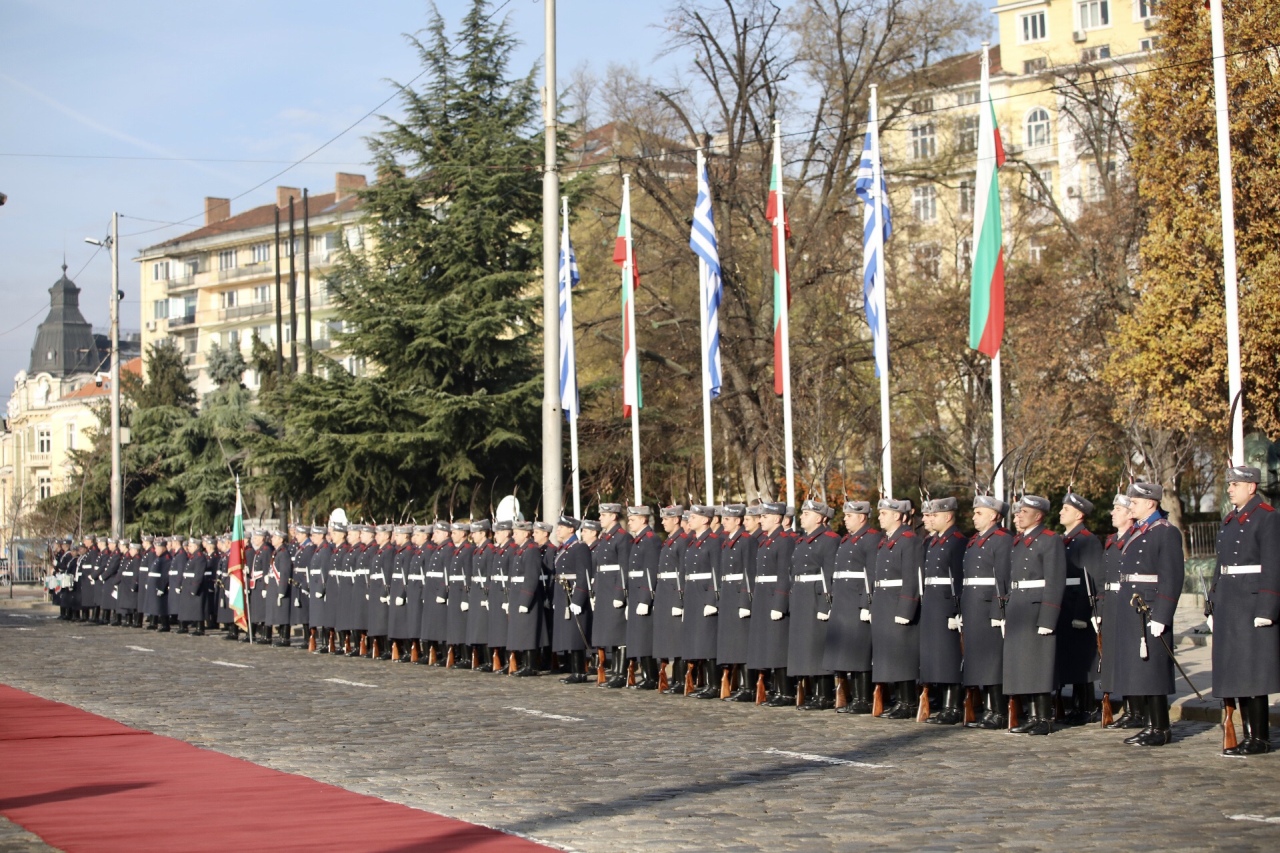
x: 1140, y: 578
x: 668, y: 576
x: 566, y: 577
x: 736, y: 577
x: 611, y: 567
x: 517, y: 578
x: 766, y: 578
x: 415, y: 577
x: 1038, y: 584
x: 698, y: 576
x: 1242, y: 570
x: 362, y: 572
x: 637, y: 574
x: 1073, y: 582
x: 502, y: 578
x: 188, y: 574
x: 937, y: 581
x: 434, y: 575
x: 457, y: 578
x: 811, y: 578
x: 979, y: 581
x: 477, y: 578
x: 889, y: 583
x: 1112, y: 587
x: 849, y: 575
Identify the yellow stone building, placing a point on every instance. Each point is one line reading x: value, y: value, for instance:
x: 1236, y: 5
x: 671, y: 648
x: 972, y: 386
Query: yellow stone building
x: 217, y: 284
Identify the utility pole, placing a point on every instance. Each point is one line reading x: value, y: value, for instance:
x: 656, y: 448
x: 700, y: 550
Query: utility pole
x: 552, y: 451
x: 306, y: 274
x: 117, y: 480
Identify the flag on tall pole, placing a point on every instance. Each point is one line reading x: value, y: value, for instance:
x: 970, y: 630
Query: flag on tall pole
x: 877, y: 225
x: 236, y: 600
x: 781, y: 230
x: 702, y: 239
x: 624, y: 256
x: 986, y: 301
x: 569, y: 402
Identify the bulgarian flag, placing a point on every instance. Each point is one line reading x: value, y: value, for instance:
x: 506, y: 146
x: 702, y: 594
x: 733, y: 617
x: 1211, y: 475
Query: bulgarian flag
x: 624, y: 256
x: 781, y: 227
x: 986, y: 305
x: 235, y: 566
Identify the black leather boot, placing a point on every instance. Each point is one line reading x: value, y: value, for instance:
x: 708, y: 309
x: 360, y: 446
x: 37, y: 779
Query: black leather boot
x: 1160, y: 732
x: 743, y: 691
x: 1040, y: 719
x: 1130, y: 716
x: 780, y: 693
x: 647, y: 674
x: 1077, y: 713
x: 949, y: 714
x: 617, y: 670
x: 675, y: 686
x: 1029, y: 721
x: 197, y: 629
x: 860, y: 694
x: 1142, y: 713
x: 1257, y: 712
x: 577, y: 668
x: 905, y: 702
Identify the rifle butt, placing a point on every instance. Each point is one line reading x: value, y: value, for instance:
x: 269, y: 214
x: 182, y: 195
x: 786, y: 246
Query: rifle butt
x: 1229, y: 740
x: 970, y: 712
x: 724, y: 683
x: 1013, y: 711
x: 431, y: 654
x: 689, y: 684
x: 1107, y: 718
x: 415, y: 652
x: 631, y: 673
x: 762, y: 694
x: 511, y: 664
x: 311, y: 640
x: 395, y: 650
x: 449, y: 659
x: 497, y: 661
x: 475, y: 658
x: 842, y: 692
x: 600, y: 666
x: 663, y: 684
x: 333, y: 642
x: 800, y: 691
x: 877, y: 701
x: 922, y: 715
x: 375, y: 648
x: 364, y: 644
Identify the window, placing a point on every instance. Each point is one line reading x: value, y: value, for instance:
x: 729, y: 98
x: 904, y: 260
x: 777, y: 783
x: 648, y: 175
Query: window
x: 1149, y: 44
x: 160, y: 309
x: 189, y: 344
x: 924, y: 203
x: 191, y: 267
x: 922, y: 105
x: 1038, y: 128
x: 232, y: 339
x: 285, y: 250
x: 44, y: 440
x: 1033, y: 27
x: 1094, y: 14
x: 260, y: 253
x: 262, y: 293
x: 967, y: 98
x: 926, y: 259
x: 1093, y: 54
x: 71, y: 436
x: 44, y: 485
x: 266, y: 334
x: 923, y: 141
x: 227, y: 259
x: 964, y: 256
x: 1095, y: 183
x: 968, y: 134
x: 966, y: 198
x: 1035, y: 66
x: 160, y: 271
x: 1146, y: 8
x: 228, y: 298
x: 1040, y: 187
x: 1036, y: 249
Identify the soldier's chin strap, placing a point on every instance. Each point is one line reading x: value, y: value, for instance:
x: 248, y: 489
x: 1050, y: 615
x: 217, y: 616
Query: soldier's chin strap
x: 1144, y: 611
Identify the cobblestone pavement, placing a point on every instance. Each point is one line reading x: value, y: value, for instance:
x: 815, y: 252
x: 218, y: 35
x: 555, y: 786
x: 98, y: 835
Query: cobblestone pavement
x: 596, y: 770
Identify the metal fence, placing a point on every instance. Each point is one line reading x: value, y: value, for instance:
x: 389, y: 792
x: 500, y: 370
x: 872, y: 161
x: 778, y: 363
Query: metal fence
x: 1202, y: 538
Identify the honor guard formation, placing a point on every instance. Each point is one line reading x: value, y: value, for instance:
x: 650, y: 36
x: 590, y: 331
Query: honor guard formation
x: 994, y: 630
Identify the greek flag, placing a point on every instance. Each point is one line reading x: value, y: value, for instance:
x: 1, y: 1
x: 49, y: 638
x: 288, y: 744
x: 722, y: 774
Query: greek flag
x: 569, y: 278
x: 702, y: 239
x: 870, y: 187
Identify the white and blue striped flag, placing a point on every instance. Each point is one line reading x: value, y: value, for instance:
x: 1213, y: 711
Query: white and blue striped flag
x: 871, y: 188
x: 702, y: 239
x: 569, y: 278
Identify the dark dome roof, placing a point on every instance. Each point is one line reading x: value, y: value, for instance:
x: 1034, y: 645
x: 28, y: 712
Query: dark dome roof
x: 64, y: 342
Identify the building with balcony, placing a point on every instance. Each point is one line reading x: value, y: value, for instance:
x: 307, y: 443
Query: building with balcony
x: 218, y: 285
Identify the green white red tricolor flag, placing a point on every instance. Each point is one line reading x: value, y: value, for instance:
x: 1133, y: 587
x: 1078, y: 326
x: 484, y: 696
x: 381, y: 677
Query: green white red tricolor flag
x: 235, y: 566
x: 625, y: 257
x: 986, y: 304
x: 781, y: 228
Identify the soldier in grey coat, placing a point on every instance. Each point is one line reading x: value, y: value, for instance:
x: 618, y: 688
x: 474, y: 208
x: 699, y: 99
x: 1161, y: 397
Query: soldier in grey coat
x: 643, y: 558
x: 668, y: 599
x: 1077, y: 637
x: 940, y: 621
x: 195, y: 578
x: 986, y: 578
x: 700, y: 571
x: 571, y: 604
x: 1037, y: 577
x: 813, y: 562
x: 770, y: 604
x: 1109, y: 608
x: 737, y: 565
x: 526, y: 597
x: 179, y: 556
x: 895, y: 609
x: 279, y: 589
x: 1244, y: 608
x: 848, y: 648
x: 609, y: 617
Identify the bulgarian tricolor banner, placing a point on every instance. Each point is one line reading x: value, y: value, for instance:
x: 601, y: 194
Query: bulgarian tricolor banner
x: 235, y: 566
x: 986, y: 305
x: 777, y: 214
x: 625, y: 257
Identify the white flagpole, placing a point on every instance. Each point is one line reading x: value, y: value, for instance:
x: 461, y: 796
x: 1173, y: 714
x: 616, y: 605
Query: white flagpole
x: 566, y: 281
x: 997, y: 391
x: 628, y: 278
x: 703, y: 301
x: 881, y: 334
x: 784, y: 323
x: 1221, y: 108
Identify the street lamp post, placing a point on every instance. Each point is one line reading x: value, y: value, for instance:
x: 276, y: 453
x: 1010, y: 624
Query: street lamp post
x: 117, y: 482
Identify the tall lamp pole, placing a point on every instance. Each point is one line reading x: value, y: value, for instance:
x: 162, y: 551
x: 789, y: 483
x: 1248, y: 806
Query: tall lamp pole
x: 117, y: 481
x: 552, y: 449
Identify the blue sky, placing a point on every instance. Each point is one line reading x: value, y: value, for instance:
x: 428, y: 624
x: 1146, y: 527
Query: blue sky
x: 99, y: 84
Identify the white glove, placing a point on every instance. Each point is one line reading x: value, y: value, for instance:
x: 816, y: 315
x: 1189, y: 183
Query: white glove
x: 901, y: 620
x: 464, y: 606
x: 159, y: 592
x: 775, y: 615
x: 279, y: 598
x: 642, y: 609
x: 953, y: 624
x: 506, y: 607
x: 522, y: 609
x: 743, y: 612
x: 1079, y: 623
x: 1097, y: 623
x: 823, y: 617
x: 677, y: 611
x: 618, y: 602
x: 115, y: 593
x: 1157, y: 628
x: 566, y: 613
x: 1044, y: 632
x: 709, y: 610
x: 997, y: 623
x: 399, y: 601
x: 1261, y: 622
x: 384, y: 599
x: 485, y: 604
x: 864, y: 614
x: 1209, y: 621
x: 576, y: 609
x: 440, y: 599
x: 593, y: 602
x: 295, y: 603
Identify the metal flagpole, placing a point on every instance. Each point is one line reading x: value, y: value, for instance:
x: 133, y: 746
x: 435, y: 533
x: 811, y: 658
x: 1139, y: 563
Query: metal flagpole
x: 784, y: 324
x: 997, y: 426
x: 881, y: 334
x: 1222, y: 110
x: 552, y: 451
x: 704, y: 301
x: 628, y: 280
x: 566, y: 283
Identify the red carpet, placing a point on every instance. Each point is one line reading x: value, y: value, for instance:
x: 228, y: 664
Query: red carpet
x: 86, y: 783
